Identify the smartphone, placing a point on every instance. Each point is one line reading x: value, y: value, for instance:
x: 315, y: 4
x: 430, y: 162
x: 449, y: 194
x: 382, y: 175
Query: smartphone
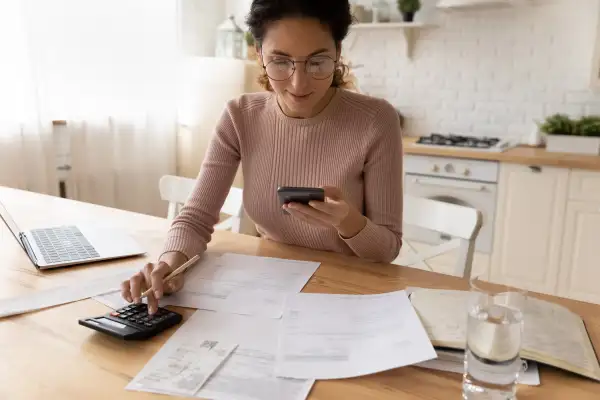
x: 288, y: 194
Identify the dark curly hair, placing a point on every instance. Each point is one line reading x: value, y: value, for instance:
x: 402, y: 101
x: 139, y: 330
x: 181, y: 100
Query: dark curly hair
x: 335, y: 14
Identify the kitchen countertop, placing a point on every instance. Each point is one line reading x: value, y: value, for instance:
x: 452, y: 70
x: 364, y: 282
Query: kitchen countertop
x: 526, y: 155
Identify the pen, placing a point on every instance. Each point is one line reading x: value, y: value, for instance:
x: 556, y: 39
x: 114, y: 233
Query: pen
x: 173, y: 274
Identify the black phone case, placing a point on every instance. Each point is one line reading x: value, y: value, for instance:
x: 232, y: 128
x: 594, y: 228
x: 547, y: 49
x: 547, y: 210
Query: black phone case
x: 300, y: 194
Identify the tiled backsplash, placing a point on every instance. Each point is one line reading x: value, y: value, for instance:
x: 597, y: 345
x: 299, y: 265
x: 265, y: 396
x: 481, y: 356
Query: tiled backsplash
x: 486, y: 72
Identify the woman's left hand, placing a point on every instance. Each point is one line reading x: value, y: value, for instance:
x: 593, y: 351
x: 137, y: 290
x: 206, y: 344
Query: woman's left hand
x: 334, y: 211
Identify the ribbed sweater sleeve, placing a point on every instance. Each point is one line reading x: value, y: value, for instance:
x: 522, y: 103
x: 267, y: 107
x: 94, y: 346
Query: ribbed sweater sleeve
x: 381, y: 238
x: 191, y: 230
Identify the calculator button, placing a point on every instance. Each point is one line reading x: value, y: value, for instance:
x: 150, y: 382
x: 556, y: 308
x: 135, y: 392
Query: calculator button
x: 148, y: 324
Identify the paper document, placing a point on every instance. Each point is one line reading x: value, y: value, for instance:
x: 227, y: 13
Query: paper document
x: 237, y: 284
x: 552, y: 334
x: 181, y: 368
x: 453, y: 361
x: 248, y: 373
x: 340, y: 336
x: 63, y: 294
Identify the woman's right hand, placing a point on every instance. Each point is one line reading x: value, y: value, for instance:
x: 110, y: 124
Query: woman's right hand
x: 152, y: 276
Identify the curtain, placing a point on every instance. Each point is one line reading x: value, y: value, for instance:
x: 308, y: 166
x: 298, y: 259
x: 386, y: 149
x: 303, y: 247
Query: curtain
x: 26, y: 144
x: 109, y: 69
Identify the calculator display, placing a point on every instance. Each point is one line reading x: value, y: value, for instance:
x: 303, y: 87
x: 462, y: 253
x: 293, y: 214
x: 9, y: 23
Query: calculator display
x: 111, y: 323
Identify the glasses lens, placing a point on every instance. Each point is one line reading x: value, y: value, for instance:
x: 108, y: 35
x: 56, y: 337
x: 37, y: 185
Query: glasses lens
x: 320, y: 67
x: 280, y: 70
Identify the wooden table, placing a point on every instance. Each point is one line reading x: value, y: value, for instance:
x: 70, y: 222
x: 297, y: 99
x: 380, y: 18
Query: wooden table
x: 47, y: 355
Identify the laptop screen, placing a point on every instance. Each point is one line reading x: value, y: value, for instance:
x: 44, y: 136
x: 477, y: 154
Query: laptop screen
x: 11, y: 224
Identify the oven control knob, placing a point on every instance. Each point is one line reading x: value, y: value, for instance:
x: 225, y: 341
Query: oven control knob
x: 435, y: 168
x: 467, y: 172
x: 449, y: 168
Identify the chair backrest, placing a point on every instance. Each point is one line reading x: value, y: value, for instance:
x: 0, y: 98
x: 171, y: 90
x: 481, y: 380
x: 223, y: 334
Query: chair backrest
x: 460, y: 222
x: 177, y: 189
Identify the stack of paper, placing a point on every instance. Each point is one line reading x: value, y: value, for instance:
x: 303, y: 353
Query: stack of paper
x: 284, y: 341
x: 248, y: 373
x: 319, y: 337
x: 108, y: 282
x: 182, y: 366
x: 453, y: 361
x: 238, y: 284
x: 340, y: 336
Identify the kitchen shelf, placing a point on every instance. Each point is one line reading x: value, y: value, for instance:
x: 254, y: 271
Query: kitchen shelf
x: 410, y: 29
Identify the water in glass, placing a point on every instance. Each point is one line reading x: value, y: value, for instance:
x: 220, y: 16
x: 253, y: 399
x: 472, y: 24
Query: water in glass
x: 494, y: 337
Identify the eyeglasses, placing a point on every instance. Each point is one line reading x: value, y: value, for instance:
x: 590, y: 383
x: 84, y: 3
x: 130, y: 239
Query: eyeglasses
x: 319, y: 67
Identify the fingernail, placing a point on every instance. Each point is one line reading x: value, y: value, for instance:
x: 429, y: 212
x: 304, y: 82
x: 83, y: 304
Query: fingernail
x: 157, y: 294
x: 137, y: 300
x: 129, y: 299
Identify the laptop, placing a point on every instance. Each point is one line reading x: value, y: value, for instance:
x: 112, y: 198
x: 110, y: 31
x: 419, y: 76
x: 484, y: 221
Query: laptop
x: 61, y: 246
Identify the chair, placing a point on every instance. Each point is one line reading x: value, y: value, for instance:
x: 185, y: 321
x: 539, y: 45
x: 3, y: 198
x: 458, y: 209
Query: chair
x: 460, y: 222
x: 177, y: 189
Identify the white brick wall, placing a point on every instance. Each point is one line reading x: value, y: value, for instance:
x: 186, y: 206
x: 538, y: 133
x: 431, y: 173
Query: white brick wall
x: 485, y: 72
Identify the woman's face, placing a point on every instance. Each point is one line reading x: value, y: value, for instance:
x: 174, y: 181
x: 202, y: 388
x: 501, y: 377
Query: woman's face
x: 301, y: 92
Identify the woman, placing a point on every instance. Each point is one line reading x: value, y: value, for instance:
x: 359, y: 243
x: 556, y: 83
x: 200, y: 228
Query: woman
x: 305, y: 130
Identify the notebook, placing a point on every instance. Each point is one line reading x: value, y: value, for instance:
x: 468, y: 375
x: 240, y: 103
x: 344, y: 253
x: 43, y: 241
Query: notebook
x: 552, y: 334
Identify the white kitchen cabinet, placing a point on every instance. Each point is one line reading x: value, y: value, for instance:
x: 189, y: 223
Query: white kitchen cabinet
x: 529, y: 226
x: 579, y: 272
x: 580, y: 261
x: 584, y: 185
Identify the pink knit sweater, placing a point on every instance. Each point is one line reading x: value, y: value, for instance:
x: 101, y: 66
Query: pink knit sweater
x: 354, y: 144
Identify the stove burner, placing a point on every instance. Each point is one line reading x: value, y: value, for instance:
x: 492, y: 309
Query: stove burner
x: 452, y: 140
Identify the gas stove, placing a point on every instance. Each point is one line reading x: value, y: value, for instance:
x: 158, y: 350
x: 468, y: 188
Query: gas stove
x: 464, y: 142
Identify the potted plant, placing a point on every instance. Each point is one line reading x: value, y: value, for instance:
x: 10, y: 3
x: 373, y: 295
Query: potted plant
x: 251, y: 44
x: 408, y: 9
x: 566, y: 135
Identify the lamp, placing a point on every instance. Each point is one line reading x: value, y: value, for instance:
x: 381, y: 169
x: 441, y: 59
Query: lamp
x: 230, y: 40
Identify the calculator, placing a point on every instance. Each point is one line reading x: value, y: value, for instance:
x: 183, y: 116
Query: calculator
x: 133, y: 322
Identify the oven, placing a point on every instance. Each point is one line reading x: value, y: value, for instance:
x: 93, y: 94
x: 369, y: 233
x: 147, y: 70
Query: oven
x: 471, y: 183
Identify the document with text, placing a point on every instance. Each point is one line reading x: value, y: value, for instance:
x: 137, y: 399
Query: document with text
x: 37, y: 300
x: 325, y: 336
x: 248, y: 373
x: 237, y: 284
x: 181, y: 367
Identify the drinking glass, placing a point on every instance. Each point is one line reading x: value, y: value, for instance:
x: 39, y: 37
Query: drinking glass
x: 494, y: 340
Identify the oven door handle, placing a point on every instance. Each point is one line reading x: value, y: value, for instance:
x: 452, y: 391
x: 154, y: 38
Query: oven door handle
x: 450, y: 184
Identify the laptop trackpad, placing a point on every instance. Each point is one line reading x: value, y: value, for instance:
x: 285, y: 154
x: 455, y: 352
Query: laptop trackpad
x: 110, y: 242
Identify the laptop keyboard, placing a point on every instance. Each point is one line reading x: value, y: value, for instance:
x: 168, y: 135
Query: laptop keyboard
x: 63, y: 244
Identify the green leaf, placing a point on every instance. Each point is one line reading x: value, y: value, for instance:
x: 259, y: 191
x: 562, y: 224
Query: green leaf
x: 406, y: 6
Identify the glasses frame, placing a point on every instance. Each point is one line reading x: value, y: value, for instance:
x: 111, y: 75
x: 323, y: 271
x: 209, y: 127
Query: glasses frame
x: 294, y: 62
